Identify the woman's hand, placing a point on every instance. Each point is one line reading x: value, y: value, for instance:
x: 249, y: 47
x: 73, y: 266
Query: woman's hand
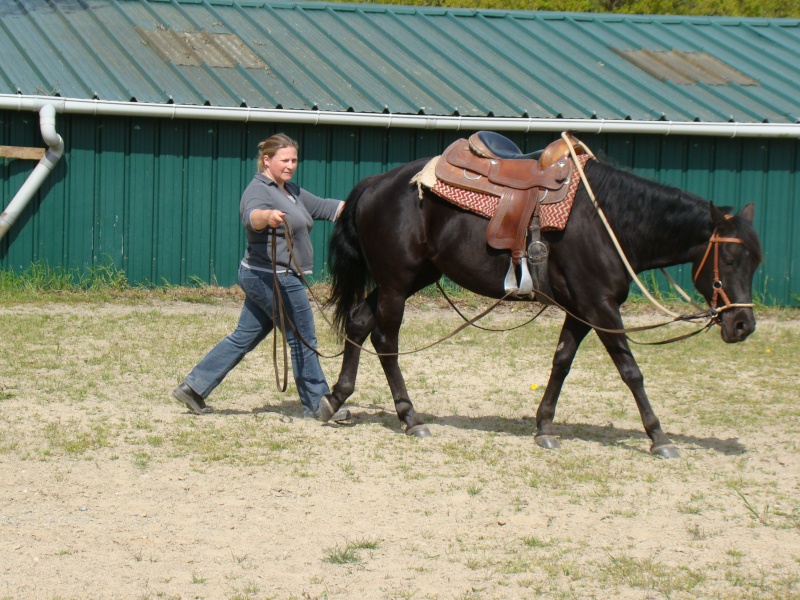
x: 261, y: 219
x: 275, y: 218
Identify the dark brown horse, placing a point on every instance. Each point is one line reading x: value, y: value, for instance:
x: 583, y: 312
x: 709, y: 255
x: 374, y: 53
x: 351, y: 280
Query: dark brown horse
x: 388, y: 244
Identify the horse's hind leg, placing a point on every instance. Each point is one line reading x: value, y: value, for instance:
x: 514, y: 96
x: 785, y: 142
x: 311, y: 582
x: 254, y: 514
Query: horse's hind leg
x: 384, y: 338
x: 359, y: 325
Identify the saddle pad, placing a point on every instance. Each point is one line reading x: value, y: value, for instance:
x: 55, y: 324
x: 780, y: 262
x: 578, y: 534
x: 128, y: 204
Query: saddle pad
x: 484, y: 205
x: 553, y: 217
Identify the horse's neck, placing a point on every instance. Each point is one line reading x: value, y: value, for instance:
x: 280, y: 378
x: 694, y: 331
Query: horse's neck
x: 670, y: 236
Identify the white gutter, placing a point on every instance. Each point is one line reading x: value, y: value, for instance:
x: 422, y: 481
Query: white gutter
x: 314, y: 117
x: 47, y: 124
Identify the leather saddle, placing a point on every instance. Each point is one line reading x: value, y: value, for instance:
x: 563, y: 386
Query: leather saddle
x: 490, y: 163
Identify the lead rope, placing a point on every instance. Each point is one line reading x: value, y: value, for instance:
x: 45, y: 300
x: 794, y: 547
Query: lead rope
x: 625, y: 331
x: 277, y: 298
x: 460, y: 314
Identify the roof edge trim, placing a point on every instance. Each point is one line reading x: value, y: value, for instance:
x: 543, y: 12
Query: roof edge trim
x: 63, y: 105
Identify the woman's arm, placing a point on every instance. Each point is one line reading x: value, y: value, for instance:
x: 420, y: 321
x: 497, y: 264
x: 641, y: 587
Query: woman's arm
x: 324, y: 209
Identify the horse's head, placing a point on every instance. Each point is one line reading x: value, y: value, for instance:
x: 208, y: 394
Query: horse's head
x: 724, y: 272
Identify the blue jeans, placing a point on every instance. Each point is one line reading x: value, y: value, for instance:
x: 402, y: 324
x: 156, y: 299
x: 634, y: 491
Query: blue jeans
x: 255, y: 324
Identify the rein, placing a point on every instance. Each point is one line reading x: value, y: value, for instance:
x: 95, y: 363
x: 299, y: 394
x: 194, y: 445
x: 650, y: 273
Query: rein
x: 627, y: 330
x: 460, y: 314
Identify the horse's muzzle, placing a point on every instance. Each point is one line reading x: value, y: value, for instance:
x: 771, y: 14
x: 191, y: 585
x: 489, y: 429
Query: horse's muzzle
x: 736, y: 324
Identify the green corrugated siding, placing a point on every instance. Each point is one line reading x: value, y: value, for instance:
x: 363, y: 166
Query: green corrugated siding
x: 159, y: 198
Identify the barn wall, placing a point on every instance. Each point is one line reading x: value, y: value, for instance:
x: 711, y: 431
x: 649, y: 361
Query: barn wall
x: 159, y: 198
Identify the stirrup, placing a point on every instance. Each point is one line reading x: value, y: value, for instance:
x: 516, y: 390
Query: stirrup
x: 525, y: 280
x: 525, y: 285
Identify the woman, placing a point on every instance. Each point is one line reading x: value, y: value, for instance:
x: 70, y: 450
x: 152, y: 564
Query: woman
x: 269, y: 201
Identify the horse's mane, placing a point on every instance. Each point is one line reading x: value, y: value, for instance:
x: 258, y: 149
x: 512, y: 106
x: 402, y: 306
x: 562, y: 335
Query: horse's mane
x: 634, y: 203
x: 662, y: 214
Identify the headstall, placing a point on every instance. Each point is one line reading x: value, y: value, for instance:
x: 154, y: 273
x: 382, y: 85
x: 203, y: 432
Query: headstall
x: 714, y: 242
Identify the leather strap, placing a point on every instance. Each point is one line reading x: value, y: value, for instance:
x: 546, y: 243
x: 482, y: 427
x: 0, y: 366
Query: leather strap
x: 719, y: 291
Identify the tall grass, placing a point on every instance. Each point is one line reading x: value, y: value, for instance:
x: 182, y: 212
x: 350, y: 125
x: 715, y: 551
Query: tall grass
x: 41, y: 277
x: 41, y: 282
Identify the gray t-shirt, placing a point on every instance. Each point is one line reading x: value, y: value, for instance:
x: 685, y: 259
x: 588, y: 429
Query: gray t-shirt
x: 300, y: 211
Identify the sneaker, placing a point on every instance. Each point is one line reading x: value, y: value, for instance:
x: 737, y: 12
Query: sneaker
x: 191, y: 399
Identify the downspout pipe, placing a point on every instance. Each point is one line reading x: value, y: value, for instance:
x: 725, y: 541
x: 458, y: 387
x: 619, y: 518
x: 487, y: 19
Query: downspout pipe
x: 55, y: 148
x: 386, y: 120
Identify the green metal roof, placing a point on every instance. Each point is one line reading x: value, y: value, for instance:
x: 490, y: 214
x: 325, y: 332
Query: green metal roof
x: 403, y: 60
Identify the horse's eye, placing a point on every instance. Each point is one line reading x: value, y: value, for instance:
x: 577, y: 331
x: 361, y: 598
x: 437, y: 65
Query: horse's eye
x: 733, y: 259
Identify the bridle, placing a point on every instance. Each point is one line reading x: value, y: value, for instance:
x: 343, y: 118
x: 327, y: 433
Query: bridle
x: 719, y: 290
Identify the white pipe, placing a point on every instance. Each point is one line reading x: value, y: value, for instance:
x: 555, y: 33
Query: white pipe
x: 315, y: 117
x: 47, y: 124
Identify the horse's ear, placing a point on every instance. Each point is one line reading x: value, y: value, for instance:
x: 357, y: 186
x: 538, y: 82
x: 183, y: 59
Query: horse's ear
x: 717, y: 215
x: 748, y: 212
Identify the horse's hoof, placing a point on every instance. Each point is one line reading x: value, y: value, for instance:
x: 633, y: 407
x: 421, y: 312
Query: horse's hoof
x: 666, y: 451
x: 419, y: 431
x: 325, y: 410
x: 550, y: 442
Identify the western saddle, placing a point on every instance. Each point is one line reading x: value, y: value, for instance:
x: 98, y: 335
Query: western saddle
x: 490, y: 163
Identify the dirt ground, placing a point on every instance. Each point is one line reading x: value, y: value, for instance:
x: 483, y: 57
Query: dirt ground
x: 110, y: 489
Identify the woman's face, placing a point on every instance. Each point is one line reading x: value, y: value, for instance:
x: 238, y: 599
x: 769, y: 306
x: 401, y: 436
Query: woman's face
x: 281, y: 167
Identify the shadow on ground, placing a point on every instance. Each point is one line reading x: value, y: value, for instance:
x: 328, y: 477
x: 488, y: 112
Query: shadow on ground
x: 607, y: 435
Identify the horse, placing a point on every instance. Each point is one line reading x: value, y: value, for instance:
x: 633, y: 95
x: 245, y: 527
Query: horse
x: 392, y: 240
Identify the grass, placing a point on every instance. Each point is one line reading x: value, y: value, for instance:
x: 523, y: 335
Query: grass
x: 762, y: 516
x: 86, y: 380
x: 73, y: 438
x: 648, y: 574
x: 535, y: 542
x: 40, y: 277
x: 41, y: 283
x: 473, y: 489
x: 349, y: 553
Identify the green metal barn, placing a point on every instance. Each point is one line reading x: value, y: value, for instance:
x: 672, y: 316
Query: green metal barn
x: 150, y: 112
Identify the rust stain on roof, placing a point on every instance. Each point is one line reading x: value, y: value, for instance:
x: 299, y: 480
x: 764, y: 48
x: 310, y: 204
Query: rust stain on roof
x: 685, y: 68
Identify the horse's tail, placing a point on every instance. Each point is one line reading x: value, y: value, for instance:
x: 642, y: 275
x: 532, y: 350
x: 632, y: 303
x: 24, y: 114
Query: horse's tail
x: 350, y: 275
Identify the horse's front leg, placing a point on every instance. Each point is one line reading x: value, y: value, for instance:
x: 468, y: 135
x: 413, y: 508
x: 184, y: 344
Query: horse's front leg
x: 572, y: 334
x: 385, y: 338
x: 620, y: 352
x: 359, y: 325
